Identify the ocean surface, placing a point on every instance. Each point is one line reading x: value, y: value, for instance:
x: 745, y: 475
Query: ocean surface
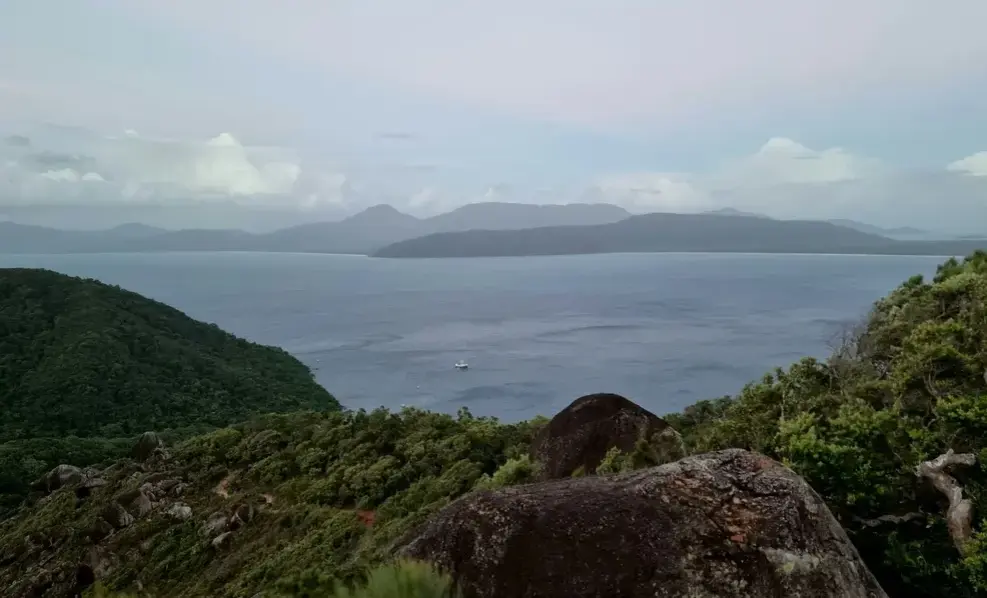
x: 662, y: 329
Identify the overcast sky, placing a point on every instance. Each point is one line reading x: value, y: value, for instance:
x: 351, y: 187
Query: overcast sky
x: 870, y: 109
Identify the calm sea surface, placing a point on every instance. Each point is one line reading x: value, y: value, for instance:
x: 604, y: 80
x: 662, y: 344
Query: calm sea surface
x: 663, y: 329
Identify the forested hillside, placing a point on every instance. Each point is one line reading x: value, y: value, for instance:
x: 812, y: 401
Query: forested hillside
x: 891, y: 431
x: 80, y: 359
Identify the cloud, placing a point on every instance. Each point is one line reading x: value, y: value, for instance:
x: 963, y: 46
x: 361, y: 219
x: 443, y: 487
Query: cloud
x: 132, y: 167
x: 17, y: 141
x: 782, y: 178
x: 782, y: 161
x: 786, y: 179
x: 975, y: 165
x: 652, y: 192
x: 759, y: 180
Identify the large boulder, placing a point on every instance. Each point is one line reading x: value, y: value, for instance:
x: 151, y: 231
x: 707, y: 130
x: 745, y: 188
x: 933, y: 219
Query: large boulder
x: 579, y: 436
x: 730, y: 524
x: 146, y: 446
x: 59, y: 477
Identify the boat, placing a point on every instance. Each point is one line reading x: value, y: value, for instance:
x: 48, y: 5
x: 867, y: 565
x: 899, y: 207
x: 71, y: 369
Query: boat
x: 461, y: 365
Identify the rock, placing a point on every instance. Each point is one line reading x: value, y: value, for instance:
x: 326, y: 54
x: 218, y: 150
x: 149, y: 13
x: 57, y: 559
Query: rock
x: 117, y: 516
x: 136, y: 502
x: 241, y: 515
x: 90, y: 482
x: 59, y: 477
x: 579, y: 436
x: 217, y: 522
x: 103, y: 528
x: 180, y: 511
x: 165, y: 486
x: 730, y: 524
x: 222, y: 539
x: 156, y: 477
x: 146, y: 446
x: 84, y: 577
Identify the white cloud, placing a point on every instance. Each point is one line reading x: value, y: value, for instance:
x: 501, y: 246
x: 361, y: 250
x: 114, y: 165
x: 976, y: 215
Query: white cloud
x: 653, y: 192
x: 975, y: 165
x: 783, y: 161
x: 783, y: 178
x: 137, y: 168
x: 66, y: 175
x: 786, y: 179
x: 423, y: 198
x: 760, y: 180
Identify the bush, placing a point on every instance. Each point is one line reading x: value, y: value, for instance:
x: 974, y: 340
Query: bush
x: 406, y: 579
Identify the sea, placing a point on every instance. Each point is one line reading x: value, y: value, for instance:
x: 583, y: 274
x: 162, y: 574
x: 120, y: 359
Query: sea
x: 664, y: 330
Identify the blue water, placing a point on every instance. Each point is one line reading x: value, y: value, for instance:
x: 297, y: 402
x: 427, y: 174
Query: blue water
x: 663, y: 329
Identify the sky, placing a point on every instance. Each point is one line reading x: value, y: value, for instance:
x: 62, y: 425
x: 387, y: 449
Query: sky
x: 871, y: 109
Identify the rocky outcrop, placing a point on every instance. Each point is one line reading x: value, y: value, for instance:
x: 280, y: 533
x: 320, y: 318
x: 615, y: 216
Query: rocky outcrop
x: 59, y: 477
x: 146, y: 446
x: 180, y: 511
x: 580, y: 435
x: 730, y: 524
x: 117, y: 516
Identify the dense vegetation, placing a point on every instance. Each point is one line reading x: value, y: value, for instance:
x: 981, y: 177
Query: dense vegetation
x: 85, y: 366
x: 906, y: 386
x: 334, y: 491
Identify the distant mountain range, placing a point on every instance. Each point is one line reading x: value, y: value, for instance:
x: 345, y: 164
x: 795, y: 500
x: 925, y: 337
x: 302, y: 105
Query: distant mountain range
x: 501, y: 229
x: 901, y: 233
x: 710, y: 232
x: 904, y: 233
x: 362, y: 233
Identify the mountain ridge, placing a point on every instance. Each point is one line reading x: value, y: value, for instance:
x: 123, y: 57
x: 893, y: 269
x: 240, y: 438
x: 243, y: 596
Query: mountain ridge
x: 668, y: 232
x: 384, y: 231
x: 361, y: 233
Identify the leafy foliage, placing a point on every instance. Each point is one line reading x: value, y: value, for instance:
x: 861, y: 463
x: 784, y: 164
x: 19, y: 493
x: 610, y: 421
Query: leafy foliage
x: 336, y: 491
x: 907, y: 386
x: 333, y: 492
x: 402, y: 580
x: 85, y: 367
x: 78, y: 357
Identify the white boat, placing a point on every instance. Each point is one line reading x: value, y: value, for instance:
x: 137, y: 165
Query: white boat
x: 461, y: 365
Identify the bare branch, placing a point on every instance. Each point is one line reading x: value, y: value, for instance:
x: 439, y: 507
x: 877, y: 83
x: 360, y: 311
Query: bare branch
x: 959, y: 515
x: 888, y: 519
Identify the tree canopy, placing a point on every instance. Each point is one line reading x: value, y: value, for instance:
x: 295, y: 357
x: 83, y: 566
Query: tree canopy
x: 80, y: 359
x: 903, y: 388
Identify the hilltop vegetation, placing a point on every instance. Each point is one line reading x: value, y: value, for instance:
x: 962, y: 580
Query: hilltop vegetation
x: 321, y: 497
x: 313, y: 499
x: 85, y: 367
x: 907, y: 386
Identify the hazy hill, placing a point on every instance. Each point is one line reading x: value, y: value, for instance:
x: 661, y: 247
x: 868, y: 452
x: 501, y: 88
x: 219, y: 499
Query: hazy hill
x: 382, y: 225
x: 135, y: 230
x: 736, y: 212
x: 508, y: 216
x: 670, y: 233
x: 25, y: 238
x: 901, y: 233
x: 361, y: 233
